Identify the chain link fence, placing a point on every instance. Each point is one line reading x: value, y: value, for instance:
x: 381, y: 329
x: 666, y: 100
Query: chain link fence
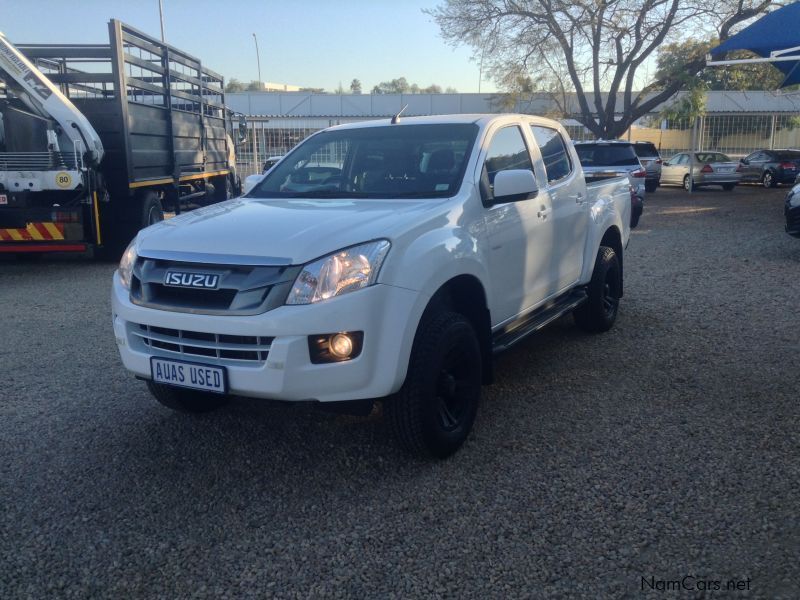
x: 734, y: 134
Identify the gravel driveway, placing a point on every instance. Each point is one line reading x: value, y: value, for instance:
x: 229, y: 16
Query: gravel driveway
x: 599, y: 465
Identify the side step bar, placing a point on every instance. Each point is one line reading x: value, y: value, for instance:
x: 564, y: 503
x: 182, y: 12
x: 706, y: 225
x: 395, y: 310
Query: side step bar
x: 505, y: 338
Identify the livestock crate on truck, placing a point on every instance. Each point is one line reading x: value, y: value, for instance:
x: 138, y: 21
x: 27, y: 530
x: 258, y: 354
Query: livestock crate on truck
x: 98, y: 140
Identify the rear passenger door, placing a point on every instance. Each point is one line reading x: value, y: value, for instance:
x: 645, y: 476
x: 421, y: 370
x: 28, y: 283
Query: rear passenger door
x: 570, y: 215
x: 520, y: 232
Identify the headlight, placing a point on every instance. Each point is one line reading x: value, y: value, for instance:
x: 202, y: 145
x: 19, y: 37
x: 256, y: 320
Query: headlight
x: 339, y: 273
x: 793, y: 198
x: 126, y: 265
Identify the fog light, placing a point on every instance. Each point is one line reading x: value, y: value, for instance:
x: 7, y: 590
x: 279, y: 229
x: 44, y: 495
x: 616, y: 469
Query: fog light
x: 341, y: 345
x: 335, y: 347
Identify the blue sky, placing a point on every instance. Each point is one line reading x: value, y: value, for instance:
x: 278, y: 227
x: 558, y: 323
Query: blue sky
x: 312, y: 43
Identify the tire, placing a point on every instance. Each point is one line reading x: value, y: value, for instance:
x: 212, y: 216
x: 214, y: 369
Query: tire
x: 650, y: 186
x: 120, y: 226
x: 223, y: 188
x: 433, y: 412
x: 687, y: 184
x: 768, y: 180
x: 599, y: 312
x: 152, y: 211
x: 186, y: 401
x: 728, y: 187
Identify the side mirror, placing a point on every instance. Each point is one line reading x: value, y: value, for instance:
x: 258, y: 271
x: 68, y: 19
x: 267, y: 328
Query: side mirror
x: 514, y: 185
x: 242, y: 128
x: 744, y: 161
x: 251, y: 181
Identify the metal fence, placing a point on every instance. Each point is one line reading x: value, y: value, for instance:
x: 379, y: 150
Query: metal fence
x: 736, y: 134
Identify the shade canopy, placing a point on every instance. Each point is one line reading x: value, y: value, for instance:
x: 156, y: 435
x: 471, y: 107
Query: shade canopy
x: 774, y: 36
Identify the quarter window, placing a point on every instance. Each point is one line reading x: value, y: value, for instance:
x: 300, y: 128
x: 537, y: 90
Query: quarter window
x: 554, y: 153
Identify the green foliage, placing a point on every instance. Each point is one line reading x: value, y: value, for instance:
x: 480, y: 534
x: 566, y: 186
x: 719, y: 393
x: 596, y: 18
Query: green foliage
x: 672, y: 59
x: 234, y: 85
x: 401, y: 86
x: 355, y: 86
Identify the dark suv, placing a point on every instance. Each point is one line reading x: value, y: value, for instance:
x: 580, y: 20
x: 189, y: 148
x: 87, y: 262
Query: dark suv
x: 770, y: 167
x: 651, y: 161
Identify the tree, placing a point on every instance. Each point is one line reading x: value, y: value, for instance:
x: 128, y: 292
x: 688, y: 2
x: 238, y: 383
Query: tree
x: 759, y: 76
x: 339, y: 89
x: 234, y: 85
x: 395, y: 86
x: 597, y: 49
x: 255, y: 86
x: 355, y: 86
x: 401, y: 86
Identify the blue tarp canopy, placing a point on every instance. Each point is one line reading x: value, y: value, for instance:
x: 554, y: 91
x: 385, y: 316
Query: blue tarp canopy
x: 777, y: 32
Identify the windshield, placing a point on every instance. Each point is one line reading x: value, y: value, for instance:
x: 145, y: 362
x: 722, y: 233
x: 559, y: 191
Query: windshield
x: 645, y: 150
x: 711, y: 157
x: 397, y: 161
x: 606, y: 155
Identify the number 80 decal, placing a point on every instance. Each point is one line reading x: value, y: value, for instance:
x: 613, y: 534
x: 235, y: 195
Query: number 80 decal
x: 63, y: 180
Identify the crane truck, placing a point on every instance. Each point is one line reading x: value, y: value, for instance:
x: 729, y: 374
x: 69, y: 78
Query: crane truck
x: 98, y: 140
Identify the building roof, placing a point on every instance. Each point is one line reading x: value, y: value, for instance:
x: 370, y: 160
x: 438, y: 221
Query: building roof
x: 307, y: 104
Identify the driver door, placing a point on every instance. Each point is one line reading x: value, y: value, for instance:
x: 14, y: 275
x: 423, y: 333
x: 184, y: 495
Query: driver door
x: 520, y: 232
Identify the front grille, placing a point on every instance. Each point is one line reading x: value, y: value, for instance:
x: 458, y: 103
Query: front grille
x: 195, y: 344
x: 241, y: 290
x: 37, y: 161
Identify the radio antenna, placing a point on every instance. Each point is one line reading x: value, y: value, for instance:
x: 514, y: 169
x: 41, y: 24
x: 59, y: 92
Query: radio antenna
x: 396, y: 118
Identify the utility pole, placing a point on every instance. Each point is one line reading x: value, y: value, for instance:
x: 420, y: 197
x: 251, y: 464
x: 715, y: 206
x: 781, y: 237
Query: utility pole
x: 161, y: 16
x: 258, y: 59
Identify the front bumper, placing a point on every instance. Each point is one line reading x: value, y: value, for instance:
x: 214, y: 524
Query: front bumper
x: 387, y: 315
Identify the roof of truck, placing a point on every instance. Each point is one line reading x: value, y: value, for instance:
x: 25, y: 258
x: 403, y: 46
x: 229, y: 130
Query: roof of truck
x: 431, y: 120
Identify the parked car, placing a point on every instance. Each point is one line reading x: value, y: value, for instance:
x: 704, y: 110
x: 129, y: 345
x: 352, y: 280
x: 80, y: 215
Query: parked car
x: 770, y: 167
x: 708, y: 168
x: 792, y: 211
x: 602, y: 159
x: 651, y: 161
x: 440, y: 241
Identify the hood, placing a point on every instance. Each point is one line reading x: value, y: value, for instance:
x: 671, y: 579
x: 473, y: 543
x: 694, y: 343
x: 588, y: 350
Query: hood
x: 292, y: 231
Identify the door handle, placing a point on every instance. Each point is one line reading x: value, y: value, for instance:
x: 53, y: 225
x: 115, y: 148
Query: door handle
x: 543, y: 212
x: 578, y: 198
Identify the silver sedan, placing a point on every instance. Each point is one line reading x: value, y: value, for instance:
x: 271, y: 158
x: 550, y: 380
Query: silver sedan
x: 708, y: 168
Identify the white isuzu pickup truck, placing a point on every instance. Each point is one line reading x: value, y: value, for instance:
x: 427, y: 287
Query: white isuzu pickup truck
x: 378, y: 260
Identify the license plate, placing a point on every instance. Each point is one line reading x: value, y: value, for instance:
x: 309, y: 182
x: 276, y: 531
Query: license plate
x: 196, y: 376
x: 725, y: 170
x: 3, y: 199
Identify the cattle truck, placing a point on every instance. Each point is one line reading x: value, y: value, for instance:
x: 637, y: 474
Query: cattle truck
x: 98, y: 140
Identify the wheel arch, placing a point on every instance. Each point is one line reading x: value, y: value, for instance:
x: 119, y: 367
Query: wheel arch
x: 466, y: 295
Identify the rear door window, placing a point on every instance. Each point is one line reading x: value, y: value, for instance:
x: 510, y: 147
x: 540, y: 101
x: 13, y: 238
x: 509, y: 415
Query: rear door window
x: 554, y: 152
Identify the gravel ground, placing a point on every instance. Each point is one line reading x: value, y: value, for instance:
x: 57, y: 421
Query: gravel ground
x: 667, y: 447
